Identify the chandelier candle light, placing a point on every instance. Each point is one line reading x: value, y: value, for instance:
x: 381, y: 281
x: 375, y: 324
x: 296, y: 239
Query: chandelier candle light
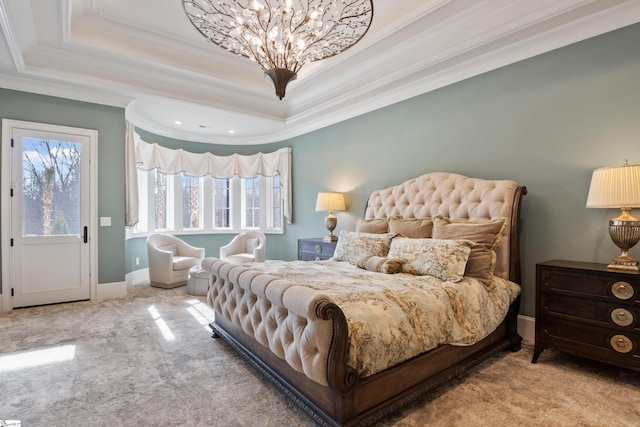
x: 281, y: 35
x: 619, y: 187
x: 330, y: 202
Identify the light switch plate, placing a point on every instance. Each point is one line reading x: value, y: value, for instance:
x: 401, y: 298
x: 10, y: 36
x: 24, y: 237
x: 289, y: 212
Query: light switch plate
x: 105, y: 221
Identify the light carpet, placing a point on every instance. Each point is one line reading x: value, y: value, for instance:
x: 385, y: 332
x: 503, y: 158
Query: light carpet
x: 148, y: 360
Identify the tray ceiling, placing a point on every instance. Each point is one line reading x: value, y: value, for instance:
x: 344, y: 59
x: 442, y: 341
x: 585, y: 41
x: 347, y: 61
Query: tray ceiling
x: 145, y: 56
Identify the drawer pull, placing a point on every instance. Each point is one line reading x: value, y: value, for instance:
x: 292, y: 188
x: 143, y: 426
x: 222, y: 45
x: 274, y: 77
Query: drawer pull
x: 622, y: 317
x: 318, y: 249
x: 621, y: 344
x: 622, y: 290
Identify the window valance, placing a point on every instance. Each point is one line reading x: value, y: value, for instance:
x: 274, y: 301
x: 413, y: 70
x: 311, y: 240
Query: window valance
x: 151, y: 156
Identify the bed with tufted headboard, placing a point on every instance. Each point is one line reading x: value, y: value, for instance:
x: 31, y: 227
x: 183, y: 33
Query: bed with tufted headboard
x: 425, y: 288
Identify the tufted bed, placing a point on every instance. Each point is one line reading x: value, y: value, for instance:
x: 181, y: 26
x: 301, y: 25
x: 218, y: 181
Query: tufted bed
x: 425, y: 288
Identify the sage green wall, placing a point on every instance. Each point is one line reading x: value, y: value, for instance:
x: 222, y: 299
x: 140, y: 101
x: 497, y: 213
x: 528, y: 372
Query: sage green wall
x: 546, y: 122
x: 109, y: 122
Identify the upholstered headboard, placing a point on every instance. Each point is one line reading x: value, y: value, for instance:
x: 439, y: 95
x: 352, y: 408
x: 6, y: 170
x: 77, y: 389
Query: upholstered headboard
x: 458, y: 197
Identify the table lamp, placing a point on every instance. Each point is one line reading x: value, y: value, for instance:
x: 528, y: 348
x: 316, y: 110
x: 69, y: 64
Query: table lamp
x: 619, y: 187
x: 330, y: 202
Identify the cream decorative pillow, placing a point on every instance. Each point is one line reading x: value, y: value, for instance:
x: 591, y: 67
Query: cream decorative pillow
x: 486, y: 234
x: 444, y: 259
x: 352, y: 245
x: 417, y: 228
x: 373, y: 225
x: 381, y: 264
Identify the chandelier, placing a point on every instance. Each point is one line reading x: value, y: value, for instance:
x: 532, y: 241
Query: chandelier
x: 281, y: 35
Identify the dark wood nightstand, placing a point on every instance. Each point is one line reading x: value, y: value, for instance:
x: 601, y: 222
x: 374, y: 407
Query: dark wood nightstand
x: 588, y: 310
x: 315, y: 249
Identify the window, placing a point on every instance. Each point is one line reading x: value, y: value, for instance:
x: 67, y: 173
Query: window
x: 251, y: 199
x: 179, y: 202
x: 191, y: 202
x: 221, y: 203
x: 160, y: 200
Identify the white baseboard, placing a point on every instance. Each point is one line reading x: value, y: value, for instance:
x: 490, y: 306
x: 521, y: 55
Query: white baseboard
x: 527, y: 329
x: 138, y: 277
x: 4, y: 303
x: 111, y: 290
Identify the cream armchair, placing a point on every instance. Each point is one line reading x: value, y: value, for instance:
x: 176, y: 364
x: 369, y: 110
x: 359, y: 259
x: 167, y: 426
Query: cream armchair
x: 170, y: 260
x: 247, y: 246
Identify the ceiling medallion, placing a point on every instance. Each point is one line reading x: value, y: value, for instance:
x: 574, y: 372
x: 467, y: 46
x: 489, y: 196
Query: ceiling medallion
x: 281, y: 35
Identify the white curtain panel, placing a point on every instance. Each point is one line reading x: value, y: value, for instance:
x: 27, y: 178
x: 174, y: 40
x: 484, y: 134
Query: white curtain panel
x: 151, y: 156
x: 131, y: 178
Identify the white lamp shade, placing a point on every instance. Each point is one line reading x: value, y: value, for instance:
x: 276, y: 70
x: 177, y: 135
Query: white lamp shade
x: 330, y: 202
x: 615, y: 187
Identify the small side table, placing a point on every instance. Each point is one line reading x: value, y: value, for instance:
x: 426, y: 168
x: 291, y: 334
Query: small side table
x: 315, y: 249
x: 588, y: 310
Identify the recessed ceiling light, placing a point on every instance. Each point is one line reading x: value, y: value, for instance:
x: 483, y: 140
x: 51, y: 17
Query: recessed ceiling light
x: 232, y: 131
x: 178, y: 122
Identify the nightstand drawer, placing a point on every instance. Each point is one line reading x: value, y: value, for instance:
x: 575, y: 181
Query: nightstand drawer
x: 588, y: 284
x: 315, y: 249
x: 613, y: 315
x: 599, y: 343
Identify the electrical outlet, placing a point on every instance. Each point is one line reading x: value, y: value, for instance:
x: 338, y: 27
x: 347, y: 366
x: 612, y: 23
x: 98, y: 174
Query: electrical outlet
x: 137, y: 260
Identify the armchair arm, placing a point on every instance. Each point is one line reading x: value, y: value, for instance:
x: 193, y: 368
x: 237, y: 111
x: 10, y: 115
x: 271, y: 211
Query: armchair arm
x: 259, y: 253
x: 235, y: 246
x: 185, y: 249
x: 160, y: 264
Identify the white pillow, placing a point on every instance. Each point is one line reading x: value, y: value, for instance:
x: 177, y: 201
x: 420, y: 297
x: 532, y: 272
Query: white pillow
x: 444, y: 259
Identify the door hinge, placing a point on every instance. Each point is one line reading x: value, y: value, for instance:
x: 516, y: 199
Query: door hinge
x: 11, y: 193
x: 11, y: 291
x: 11, y: 142
x: 11, y: 242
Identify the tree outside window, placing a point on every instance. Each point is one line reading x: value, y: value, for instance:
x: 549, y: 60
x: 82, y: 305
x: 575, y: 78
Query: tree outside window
x: 190, y: 202
x: 161, y: 200
x: 51, y: 171
x: 251, y: 202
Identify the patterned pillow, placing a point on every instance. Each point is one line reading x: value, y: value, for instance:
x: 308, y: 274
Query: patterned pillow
x: 416, y: 228
x: 444, y: 259
x: 381, y: 264
x: 486, y: 235
x: 373, y: 225
x: 353, y: 246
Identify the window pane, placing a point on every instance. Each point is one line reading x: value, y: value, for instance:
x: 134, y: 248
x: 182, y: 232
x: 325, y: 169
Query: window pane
x: 277, y: 203
x: 190, y: 202
x: 161, y: 200
x: 51, y: 187
x: 251, y: 202
x: 221, y: 203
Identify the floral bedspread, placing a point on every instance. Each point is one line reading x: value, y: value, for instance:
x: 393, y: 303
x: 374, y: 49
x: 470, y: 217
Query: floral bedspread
x: 394, y: 317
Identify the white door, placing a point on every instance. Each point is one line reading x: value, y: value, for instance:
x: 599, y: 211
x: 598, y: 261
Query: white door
x: 49, y: 250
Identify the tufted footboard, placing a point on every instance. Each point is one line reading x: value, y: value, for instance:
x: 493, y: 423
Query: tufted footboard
x: 297, y: 324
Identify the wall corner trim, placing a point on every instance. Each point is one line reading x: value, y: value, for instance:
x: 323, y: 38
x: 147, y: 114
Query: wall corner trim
x: 111, y: 290
x: 527, y: 329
